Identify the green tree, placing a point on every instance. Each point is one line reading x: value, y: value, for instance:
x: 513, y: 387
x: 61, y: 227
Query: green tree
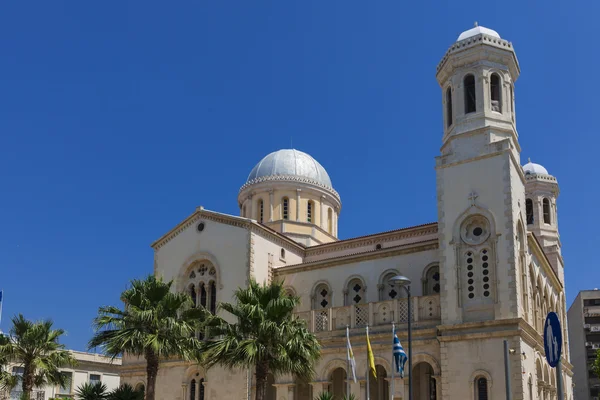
x: 92, y: 391
x: 155, y: 323
x: 596, y: 364
x: 126, y: 392
x: 266, y: 336
x: 35, y: 347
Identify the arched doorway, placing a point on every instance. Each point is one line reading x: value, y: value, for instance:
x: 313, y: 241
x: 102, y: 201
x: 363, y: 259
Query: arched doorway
x: 378, y: 387
x: 271, y: 392
x: 337, y: 383
x: 424, y: 382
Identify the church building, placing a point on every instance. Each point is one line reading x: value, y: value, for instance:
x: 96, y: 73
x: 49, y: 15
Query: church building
x: 488, y: 270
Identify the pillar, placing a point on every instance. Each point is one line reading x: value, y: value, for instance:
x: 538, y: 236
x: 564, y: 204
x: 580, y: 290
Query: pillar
x: 323, y: 223
x: 249, y: 209
x: 319, y: 386
x: 184, y: 391
x: 271, y: 205
x: 362, y: 394
x: 298, y: 204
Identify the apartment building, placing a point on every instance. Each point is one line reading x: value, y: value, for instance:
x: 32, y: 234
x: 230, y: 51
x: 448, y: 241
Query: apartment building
x: 584, y: 337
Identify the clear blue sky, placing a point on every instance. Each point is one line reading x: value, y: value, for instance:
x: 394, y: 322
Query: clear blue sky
x: 118, y: 118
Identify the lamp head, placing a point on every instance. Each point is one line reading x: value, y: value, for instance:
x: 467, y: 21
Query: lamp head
x: 400, y: 280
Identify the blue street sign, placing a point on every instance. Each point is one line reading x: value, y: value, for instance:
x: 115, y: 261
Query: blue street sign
x: 552, y: 339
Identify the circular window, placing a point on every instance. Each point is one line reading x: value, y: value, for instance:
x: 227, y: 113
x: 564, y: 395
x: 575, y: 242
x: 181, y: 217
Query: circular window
x: 484, y: 258
x: 378, y: 247
x: 471, y: 295
x: 469, y: 260
x: 485, y: 265
x: 486, y: 293
x: 200, y: 227
x: 475, y: 230
x: 470, y: 282
x: 485, y: 271
x: 486, y: 278
x: 471, y: 288
x: 469, y: 267
x: 486, y: 286
x: 470, y: 274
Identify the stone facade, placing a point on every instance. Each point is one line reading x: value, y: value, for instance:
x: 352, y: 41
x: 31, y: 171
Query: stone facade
x: 482, y: 274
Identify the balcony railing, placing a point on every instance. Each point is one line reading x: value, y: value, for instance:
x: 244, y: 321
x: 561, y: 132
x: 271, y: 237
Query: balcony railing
x: 591, y: 311
x: 424, y: 308
x: 592, y: 327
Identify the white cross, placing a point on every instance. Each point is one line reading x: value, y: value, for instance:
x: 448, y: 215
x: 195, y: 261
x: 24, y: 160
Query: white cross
x: 473, y: 196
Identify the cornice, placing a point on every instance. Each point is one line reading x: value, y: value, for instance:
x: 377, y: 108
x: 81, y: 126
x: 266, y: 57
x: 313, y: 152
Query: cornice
x: 292, y: 178
x: 376, y: 238
x: 230, y: 220
x: 474, y: 41
x: 425, y: 245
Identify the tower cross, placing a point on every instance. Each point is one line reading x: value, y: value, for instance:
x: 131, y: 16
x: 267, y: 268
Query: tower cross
x: 472, y: 197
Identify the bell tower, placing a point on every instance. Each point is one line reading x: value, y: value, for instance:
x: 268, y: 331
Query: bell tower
x: 480, y: 183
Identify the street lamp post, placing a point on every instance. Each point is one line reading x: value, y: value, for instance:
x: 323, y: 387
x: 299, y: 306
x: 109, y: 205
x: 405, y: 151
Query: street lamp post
x: 404, y: 282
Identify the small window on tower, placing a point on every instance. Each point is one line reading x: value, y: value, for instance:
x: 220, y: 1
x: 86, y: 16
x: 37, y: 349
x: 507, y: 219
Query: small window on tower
x: 309, y: 211
x: 529, y: 211
x: 449, y: 106
x: 495, y: 93
x: 286, y: 205
x: 261, y: 210
x: 470, y: 99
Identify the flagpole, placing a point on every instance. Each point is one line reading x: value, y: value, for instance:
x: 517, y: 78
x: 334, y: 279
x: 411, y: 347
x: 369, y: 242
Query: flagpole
x: 348, y: 362
x: 368, y: 368
x: 393, y: 383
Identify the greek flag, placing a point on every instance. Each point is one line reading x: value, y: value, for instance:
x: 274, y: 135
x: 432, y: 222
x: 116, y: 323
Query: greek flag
x: 399, y: 356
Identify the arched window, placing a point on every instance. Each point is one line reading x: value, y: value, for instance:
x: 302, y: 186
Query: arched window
x: 322, y: 297
x: 329, y: 221
x: 481, y: 388
x: 193, y: 389
x: 201, y: 389
x: 431, y: 283
x: 389, y: 290
x: 529, y: 211
x: 546, y: 204
x: 449, y: 106
x: 356, y: 292
x: 261, y: 210
x: 203, y: 295
x: 192, y: 292
x: 310, y: 206
x: 285, y: 204
x: 140, y: 388
x: 282, y: 254
x: 470, y: 99
x: 213, y: 297
x: 495, y: 93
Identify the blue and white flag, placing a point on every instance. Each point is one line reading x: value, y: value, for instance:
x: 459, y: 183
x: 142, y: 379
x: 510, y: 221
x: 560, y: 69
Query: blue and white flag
x: 399, y: 356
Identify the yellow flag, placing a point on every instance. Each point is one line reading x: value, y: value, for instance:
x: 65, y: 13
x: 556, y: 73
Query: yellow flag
x: 370, y: 356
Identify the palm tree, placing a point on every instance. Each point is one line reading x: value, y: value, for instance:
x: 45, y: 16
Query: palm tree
x: 155, y: 323
x: 92, y: 391
x: 35, y: 347
x: 126, y: 392
x: 266, y: 337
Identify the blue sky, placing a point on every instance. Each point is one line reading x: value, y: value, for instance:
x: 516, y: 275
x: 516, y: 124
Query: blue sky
x: 117, y: 119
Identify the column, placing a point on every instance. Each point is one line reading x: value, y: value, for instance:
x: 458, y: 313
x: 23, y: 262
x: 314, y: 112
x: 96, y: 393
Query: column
x: 184, y: 391
x: 204, y: 389
x: 271, y: 205
x: 323, y: 222
x: 291, y: 392
x: 298, y: 204
x: 318, y: 387
x: 438, y: 386
x: 249, y: 209
x: 362, y: 394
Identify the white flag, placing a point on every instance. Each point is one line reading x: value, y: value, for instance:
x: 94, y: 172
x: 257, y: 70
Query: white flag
x: 351, y: 359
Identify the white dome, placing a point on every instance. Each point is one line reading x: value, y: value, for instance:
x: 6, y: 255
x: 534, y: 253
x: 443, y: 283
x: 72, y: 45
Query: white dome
x: 290, y: 163
x: 532, y: 168
x: 476, y: 31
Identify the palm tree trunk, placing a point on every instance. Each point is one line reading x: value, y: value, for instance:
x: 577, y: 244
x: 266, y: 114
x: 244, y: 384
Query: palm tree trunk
x: 151, y: 372
x: 262, y: 370
x: 27, y: 385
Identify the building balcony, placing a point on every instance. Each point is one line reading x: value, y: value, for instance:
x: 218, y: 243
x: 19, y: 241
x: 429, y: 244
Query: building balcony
x: 593, y: 346
x: 591, y: 311
x: 424, y: 308
x: 592, y: 327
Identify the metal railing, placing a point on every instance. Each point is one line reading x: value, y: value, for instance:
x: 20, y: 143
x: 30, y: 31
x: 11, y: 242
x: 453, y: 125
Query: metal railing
x: 424, y: 308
